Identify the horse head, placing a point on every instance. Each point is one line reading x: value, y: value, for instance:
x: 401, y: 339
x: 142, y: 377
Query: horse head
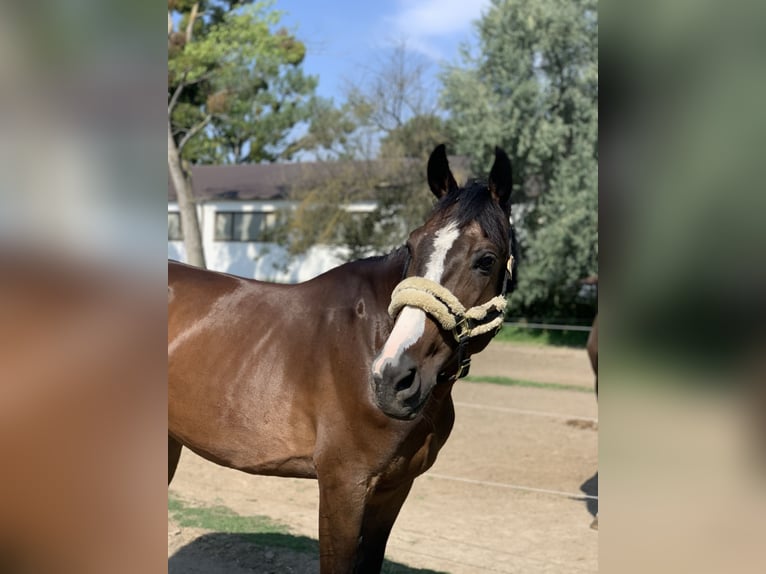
x: 451, y: 300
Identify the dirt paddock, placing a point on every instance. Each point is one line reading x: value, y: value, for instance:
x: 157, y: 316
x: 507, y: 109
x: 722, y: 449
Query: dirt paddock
x: 505, y: 495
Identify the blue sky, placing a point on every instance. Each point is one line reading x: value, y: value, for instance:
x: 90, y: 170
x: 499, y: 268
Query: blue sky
x: 344, y: 36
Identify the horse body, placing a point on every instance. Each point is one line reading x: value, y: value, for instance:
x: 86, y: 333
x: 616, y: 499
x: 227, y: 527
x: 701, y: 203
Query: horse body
x: 247, y: 403
x: 278, y: 380
x: 273, y: 374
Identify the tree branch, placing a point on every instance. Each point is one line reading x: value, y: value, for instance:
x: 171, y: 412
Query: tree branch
x: 184, y: 84
x: 192, y: 132
x: 176, y: 94
x: 192, y: 18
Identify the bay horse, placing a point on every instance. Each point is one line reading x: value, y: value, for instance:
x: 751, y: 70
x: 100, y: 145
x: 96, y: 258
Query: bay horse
x: 345, y: 378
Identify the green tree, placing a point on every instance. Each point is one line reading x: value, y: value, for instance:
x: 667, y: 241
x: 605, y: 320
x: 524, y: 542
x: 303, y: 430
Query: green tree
x: 235, y: 91
x: 378, y: 140
x: 532, y: 88
x: 333, y: 134
x: 415, y: 138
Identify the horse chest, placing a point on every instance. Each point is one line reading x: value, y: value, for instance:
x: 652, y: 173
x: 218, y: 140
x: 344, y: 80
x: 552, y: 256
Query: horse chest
x: 426, y: 455
x: 415, y: 457
x: 426, y: 440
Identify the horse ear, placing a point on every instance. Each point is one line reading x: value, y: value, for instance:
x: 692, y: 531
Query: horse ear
x: 440, y: 178
x: 500, y: 180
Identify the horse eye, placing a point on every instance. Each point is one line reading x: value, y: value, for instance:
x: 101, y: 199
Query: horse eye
x: 485, y: 263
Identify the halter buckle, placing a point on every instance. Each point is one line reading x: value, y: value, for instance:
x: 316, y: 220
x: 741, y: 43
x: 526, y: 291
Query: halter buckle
x: 462, y: 329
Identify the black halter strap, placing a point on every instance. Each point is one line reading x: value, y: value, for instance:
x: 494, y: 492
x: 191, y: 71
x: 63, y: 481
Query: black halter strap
x: 463, y: 328
x: 406, y: 264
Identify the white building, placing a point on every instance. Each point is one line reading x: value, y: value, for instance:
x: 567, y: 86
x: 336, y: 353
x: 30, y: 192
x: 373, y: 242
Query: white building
x: 236, y: 204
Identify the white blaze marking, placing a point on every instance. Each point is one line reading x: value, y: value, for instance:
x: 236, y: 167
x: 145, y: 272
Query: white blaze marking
x: 443, y: 241
x: 411, y: 322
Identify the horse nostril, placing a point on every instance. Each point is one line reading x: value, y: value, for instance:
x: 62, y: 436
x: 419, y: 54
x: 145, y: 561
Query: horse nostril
x: 406, y: 381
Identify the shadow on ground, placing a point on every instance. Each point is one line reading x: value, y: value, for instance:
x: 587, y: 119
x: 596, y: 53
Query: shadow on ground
x: 590, y: 487
x: 265, y: 553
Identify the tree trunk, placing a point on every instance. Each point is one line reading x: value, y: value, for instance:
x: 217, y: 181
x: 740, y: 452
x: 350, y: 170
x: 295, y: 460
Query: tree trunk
x: 195, y: 254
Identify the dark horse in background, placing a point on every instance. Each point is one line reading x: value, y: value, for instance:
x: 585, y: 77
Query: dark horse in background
x: 317, y: 380
x: 592, y: 348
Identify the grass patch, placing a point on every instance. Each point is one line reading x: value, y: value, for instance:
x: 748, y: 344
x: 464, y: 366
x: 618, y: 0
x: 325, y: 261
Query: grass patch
x: 221, y: 519
x: 231, y: 530
x: 554, y: 338
x: 292, y: 542
x: 534, y: 384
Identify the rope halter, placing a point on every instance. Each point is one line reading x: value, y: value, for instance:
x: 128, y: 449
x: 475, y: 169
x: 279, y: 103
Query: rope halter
x: 438, y: 302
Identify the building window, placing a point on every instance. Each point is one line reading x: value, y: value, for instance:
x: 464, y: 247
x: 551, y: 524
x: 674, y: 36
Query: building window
x: 174, y: 226
x: 243, y: 225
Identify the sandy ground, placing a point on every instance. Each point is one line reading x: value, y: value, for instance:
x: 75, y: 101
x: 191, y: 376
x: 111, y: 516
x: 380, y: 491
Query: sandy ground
x: 505, y: 494
x: 534, y: 363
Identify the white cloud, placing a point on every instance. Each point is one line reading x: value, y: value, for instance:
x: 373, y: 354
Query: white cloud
x: 422, y: 23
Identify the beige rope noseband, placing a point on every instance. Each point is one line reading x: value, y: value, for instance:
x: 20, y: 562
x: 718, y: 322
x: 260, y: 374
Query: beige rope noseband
x: 439, y: 302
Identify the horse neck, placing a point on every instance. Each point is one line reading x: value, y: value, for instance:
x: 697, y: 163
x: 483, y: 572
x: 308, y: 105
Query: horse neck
x: 381, y: 275
x: 389, y: 272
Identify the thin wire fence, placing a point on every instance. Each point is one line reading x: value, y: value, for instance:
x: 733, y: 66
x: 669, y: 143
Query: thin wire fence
x: 548, y: 326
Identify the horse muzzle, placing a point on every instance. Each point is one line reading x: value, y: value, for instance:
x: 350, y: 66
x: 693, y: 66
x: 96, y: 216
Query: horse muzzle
x: 399, y: 389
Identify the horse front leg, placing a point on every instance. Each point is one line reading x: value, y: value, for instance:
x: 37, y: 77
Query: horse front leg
x: 380, y: 514
x: 355, y: 519
x: 341, y: 511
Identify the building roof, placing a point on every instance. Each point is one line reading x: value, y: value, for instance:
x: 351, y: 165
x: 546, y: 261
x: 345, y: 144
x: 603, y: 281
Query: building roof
x: 274, y: 181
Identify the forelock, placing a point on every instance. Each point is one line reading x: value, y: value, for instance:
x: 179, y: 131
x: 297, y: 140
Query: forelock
x: 474, y: 202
